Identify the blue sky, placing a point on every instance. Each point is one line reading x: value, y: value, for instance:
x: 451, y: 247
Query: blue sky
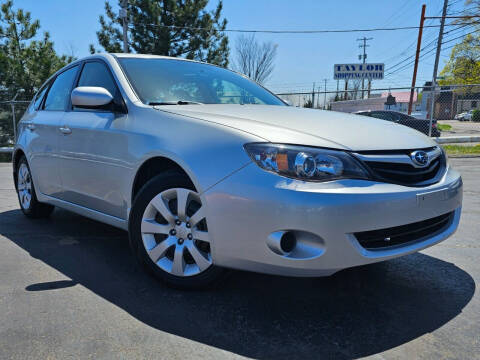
x: 302, y: 58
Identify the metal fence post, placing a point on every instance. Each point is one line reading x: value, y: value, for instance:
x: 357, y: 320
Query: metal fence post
x: 14, y: 122
x: 432, y: 110
x: 14, y: 119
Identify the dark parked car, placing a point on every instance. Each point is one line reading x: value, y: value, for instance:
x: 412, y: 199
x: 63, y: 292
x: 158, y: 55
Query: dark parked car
x: 403, y: 119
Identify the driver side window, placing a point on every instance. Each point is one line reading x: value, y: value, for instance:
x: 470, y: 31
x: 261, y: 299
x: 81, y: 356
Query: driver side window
x: 59, y: 93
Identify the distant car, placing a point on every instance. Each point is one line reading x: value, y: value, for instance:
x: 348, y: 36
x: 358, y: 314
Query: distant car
x: 465, y: 116
x: 419, y: 114
x: 421, y: 125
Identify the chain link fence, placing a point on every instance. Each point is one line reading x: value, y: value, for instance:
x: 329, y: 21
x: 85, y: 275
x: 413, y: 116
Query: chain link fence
x: 440, y: 111
x: 12, y: 109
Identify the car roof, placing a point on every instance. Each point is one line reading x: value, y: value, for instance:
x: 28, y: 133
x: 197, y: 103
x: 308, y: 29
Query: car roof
x: 150, y: 56
x: 110, y: 57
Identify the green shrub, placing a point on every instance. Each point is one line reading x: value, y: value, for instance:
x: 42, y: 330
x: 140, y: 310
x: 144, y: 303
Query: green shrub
x: 476, y: 115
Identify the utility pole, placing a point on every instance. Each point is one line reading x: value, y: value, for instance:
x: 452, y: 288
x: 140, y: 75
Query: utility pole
x: 364, y: 57
x: 417, y: 54
x: 435, y: 67
x: 124, y: 16
x: 325, y: 96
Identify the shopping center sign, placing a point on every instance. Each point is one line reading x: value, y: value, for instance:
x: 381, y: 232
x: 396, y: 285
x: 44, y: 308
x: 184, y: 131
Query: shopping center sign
x: 358, y: 71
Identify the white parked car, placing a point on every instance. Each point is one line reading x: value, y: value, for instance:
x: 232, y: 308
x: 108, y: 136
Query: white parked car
x: 465, y: 116
x: 208, y: 170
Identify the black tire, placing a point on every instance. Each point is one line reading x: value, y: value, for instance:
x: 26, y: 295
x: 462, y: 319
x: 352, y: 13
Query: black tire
x: 168, y: 180
x: 35, y: 209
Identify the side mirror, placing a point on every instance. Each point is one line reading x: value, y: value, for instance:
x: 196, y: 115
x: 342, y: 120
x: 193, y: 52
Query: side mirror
x: 91, y: 97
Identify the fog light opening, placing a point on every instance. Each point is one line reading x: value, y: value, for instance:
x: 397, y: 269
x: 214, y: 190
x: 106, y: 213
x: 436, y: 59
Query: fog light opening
x: 288, y: 242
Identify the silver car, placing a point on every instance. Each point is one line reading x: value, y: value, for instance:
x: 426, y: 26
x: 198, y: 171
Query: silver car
x: 208, y: 170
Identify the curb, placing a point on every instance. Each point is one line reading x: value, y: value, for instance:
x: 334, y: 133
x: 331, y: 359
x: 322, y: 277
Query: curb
x: 6, y: 150
x: 463, y: 156
x: 457, y: 139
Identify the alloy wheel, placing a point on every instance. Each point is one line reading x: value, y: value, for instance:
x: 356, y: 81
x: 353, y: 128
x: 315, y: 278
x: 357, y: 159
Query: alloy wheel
x: 175, y: 234
x: 24, y: 186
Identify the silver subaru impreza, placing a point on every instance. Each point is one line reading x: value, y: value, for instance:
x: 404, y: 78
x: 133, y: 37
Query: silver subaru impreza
x: 207, y: 170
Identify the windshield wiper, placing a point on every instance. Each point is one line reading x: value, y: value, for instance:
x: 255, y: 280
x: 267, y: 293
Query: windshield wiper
x: 179, y: 102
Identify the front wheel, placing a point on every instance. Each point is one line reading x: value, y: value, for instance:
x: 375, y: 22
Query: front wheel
x: 169, y: 234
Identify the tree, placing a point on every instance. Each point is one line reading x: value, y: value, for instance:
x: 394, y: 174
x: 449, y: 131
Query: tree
x: 307, y: 103
x: 255, y: 60
x: 178, y: 28
x: 354, y: 85
x: 463, y: 67
x: 24, y: 63
x: 469, y: 13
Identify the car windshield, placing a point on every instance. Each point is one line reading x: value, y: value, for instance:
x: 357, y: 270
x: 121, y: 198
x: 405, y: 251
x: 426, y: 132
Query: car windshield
x: 179, y: 82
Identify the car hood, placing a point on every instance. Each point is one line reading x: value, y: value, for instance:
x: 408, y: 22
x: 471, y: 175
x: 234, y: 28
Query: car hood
x: 312, y: 127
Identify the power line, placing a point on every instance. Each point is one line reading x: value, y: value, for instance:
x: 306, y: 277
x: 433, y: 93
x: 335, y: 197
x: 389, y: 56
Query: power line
x: 412, y: 44
x: 454, y: 3
x: 293, y: 31
x: 429, y: 21
x: 424, y: 54
x: 460, y: 27
x: 461, y: 36
x: 396, y: 13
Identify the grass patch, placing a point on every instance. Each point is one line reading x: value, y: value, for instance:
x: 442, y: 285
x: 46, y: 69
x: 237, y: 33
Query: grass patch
x: 444, y: 127
x: 462, y: 150
x: 5, y: 157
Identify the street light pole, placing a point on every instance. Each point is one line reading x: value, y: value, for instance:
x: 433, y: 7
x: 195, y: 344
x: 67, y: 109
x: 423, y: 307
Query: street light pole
x: 124, y: 17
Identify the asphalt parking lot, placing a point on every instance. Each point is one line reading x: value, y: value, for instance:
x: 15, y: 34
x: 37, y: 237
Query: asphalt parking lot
x: 461, y: 128
x: 70, y: 289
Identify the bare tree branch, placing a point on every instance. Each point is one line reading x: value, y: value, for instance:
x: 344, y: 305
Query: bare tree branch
x: 253, y: 59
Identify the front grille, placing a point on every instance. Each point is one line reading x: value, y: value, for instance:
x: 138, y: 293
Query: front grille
x: 403, y: 173
x: 404, y: 234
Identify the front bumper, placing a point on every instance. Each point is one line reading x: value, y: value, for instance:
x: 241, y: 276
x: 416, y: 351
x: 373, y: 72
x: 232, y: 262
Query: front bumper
x: 245, y: 209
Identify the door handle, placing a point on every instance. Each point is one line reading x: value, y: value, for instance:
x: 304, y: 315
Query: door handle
x: 66, y: 130
x: 31, y: 127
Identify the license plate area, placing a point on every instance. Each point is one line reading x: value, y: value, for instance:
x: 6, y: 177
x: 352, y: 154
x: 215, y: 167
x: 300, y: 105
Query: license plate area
x: 427, y: 198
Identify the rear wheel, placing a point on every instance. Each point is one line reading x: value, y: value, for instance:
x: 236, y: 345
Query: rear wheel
x: 169, y: 233
x: 27, y: 196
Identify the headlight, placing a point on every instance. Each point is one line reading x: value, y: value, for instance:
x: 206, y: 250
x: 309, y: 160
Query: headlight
x: 306, y: 163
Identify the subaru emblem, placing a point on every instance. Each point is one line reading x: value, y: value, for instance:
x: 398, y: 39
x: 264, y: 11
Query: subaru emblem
x: 419, y: 158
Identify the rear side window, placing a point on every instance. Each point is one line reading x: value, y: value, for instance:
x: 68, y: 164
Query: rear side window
x: 381, y: 115
x: 396, y: 116
x: 59, y: 93
x: 97, y: 74
x: 39, y: 97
